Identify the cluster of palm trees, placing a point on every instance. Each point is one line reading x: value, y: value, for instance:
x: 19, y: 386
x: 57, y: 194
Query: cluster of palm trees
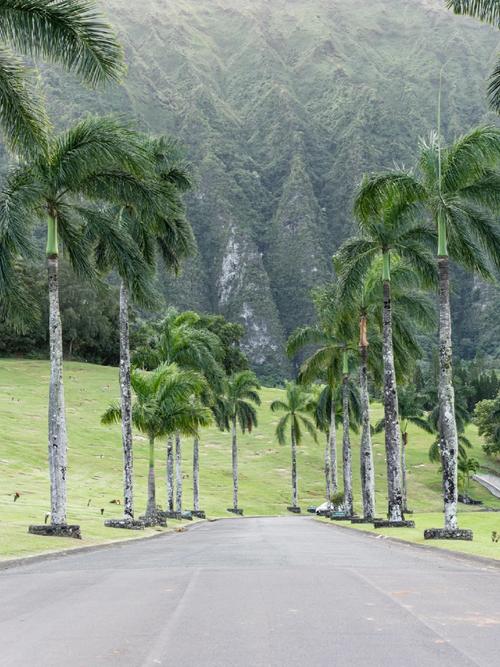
x: 450, y: 201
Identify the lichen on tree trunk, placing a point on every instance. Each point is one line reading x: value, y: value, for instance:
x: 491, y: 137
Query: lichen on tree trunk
x: 391, y: 415
x: 126, y: 406
x: 295, y: 491
x: 234, y: 454
x: 333, y: 446
x: 196, y: 475
x: 170, y: 475
x: 178, y: 472
x: 151, y: 506
x: 447, y: 423
x: 57, y: 442
x: 346, y: 449
x: 366, y: 453
x: 404, y: 487
x: 327, y: 470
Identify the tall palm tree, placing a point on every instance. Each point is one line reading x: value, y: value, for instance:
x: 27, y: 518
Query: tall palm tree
x: 324, y: 363
x: 62, y: 190
x: 411, y: 411
x: 236, y: 406
x: 153, y: 216
x: 166, y: 403
x: 458, y: 188
x: 489, y: 12
x: 389, y: 232
x: 67, y: 32
x: 296, y: 408
x: 178, y: 339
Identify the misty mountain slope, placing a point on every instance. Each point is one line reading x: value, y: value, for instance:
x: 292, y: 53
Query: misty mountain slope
x: 282, y: 106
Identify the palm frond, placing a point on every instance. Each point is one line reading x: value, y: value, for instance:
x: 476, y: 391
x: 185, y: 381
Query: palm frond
x: 22, y: 115
x: 113, y: 415
x: 69, y: 32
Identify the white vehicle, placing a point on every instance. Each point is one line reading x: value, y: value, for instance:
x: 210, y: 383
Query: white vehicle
x: 325, y: 507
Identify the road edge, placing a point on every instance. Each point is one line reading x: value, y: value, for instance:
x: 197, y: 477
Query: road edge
x: 471, y: 558
x: 39, y: 558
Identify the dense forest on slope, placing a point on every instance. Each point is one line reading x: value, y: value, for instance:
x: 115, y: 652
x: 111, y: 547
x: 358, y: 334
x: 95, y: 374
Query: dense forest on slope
x: 282, y: 106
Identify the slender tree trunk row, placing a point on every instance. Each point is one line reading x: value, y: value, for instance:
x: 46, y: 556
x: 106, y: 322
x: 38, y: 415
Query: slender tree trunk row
x: 391, y: 415
x: 295, y: 490
x: 447, y: 423
x: 346, y: 449
x: 367, y: 469
x: 333, y: 446
x: 170, y: 475
x: 327, y: 470
x: 196, y: 475
x: 151, y: 504
x: 126, y: 405
x: 178, y: 473
x: 404, y: 487
x: 234, y: 450
x: 57, y: 418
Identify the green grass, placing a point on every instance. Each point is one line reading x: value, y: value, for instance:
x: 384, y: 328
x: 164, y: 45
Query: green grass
x: 95, y: 465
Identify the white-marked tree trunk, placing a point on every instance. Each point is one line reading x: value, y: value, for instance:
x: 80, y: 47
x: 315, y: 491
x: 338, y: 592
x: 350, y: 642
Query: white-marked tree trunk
x: 404, y: 484
x: 126, y: 406
x: 57, y: 418
x: 234, y: 451
x: 366, y: 453
x: 295, y: 490
x: 391, y: 412
x: 333, y: 447
x: 327, y: 470
x: 151, y: 506
x: 346, y: 449
x: 178, y: 473
x: 170, y: 475
x: 196, y: 475
x: 447, y: 423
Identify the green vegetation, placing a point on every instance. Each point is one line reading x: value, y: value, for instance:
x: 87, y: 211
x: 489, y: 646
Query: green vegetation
x: 95, y: 457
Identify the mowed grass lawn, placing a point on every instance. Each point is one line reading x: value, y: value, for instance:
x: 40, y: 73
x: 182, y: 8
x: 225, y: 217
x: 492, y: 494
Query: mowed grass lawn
x: 95, y: 465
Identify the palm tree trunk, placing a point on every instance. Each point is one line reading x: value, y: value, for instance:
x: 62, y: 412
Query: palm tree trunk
x: 403, y: 471
x: 126, y: 405
x: 367, y: 470
x: 333, y: 446
x: 346, y: 449
x: 327, y: 470
x: 57, y: 418
x: 151, y: 506
x: 234, y: 449
x: 447, y: 423
x: 178, y: 472
x: 196, y: 475
x: 170, y: 475
x: 295, y: 490
x: 391, y: 415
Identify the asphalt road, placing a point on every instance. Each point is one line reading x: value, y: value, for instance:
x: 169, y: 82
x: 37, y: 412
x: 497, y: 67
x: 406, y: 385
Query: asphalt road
x: 252, y: 592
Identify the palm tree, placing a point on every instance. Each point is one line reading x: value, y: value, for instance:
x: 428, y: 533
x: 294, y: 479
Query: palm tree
x: 166, y: 403
x: 489, y: 12
x: 411, y: 411
x: 459, y: 191
x: 178, y: 339
x: 154, y: 218
x: 62, y: 189
x: 296, y: 408
x: 324, y: 363
x: 236, y: 405
x: 72, y: 34
x: 389, y: 233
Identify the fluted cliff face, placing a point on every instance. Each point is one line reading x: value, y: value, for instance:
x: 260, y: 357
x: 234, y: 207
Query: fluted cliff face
x: 282, y: 106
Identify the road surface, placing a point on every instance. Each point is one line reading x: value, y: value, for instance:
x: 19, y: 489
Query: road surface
x: 253, y: 592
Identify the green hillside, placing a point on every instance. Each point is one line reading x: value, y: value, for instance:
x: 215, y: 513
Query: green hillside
x: 95, y: 463
x: 282, y: 106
